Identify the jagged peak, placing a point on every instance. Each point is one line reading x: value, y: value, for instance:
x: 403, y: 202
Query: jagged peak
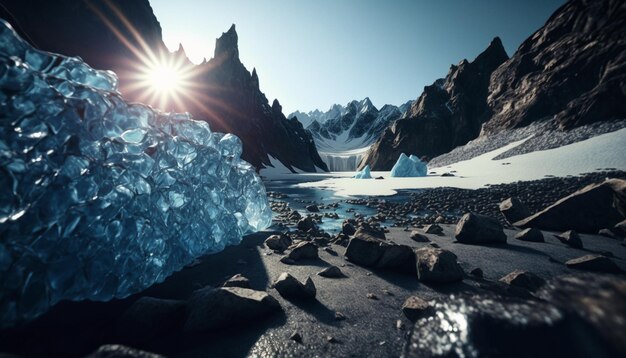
x: 494, y: 52
x: 226, y: 45
x: 276, y: 106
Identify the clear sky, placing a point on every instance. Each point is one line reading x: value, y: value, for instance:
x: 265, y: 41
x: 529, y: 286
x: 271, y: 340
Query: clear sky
x: 313, y: 53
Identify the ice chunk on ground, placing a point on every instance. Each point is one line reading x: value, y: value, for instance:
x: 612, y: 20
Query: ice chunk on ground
x: 409, y: 167
x: 364, y: 173
x: 100, y: 198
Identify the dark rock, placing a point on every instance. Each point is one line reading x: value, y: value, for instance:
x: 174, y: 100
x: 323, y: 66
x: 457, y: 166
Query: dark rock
x: 417, y: 237
x: 607, y: 233
x: 514, y: 210
x: 620, y: 229
x: 306, y: 224
x: 415, y: 308
x: 570, y: 238
x: 437, y: 266
x: 295, y: 336
x: 237, y: 280
x: 372, y: 296
x: 397, y: 257
x: 339, y: 316
x: 588, y: 210
x: 596, y: 263
x: 312, y: 208
x: 379, y: 178
x: 348, y: 229
x: 303, y: 250
x: 210, y: 308
x: 530, y: 235
x: 523, y: 279
x: 149, y: 318
x: 477, y: 272
x: 289, y: 287
x: 447, y: 175
x: 479, y: 229
x: 278, y: 243
x: 331, y: 272
x: 368, y: 232
x: 365, y: 251
x: 120, y: 351
x: 433, y: 229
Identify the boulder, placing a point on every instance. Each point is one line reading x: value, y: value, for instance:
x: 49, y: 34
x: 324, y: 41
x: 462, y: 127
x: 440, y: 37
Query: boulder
x: 530, y: 235
x: 303, y: 250
x: 347, y: 228
x: 365, y: 251
x: 417, y: 237
x: 278, y: 243
x: 588, y: 210
x: 306, y: 224
x: 313, y: 208
x: 331, y: 272
x: 289, y: 287
x: 397, y: 257
x: 149, y: 318
x: 523, y: 279
x: 596, y: 263
x: 514, y: 210
x: 415, y: 308
x: 437, y: 265
x: 368, y: 232
x: 570, y: 238
x: 479, y: 229
x: 210, y: 308
x: 433, y: 229
x: 237, y: 280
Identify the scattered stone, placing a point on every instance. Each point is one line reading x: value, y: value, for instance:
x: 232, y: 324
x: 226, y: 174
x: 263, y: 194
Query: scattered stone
x: 523, y: 279
x: 530, y: 235
x: 149, y: 318
x: 278, y: 243
x: 477, y: 272
x: 120, y: 351
x: 596, y: 263
x: 514, y: 210
x: 607, y: 233
x: 237, y: 280
x: 296, y: 337
x: 433, y: 229
x: 339, y: 316
x: 417, y: 237
x: 447, y: 174
x: 367, y: 232
x: 397, y: 257
x: 303, y: 250
x: 331, y: 339
x: 479, y: 229
x: 306, y: 224
x: 387, y: 292
x: 287, y: 261
x: 415, y: 308
x: 289, y: 287
x: 313, y: 208
x: 400, y: 325
x: 372, y: 296
x: 570, y: 238
x: 364, y: 251
x: 209, y: 308
x: 590, y: 209
x: 379, y: 178
x: 330, y: 251
x: 348, y: 228
x: 331, y: 272
x: 437, y: 266
x: 620, y: 229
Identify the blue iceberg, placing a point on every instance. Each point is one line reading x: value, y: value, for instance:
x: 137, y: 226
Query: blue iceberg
x: 100, y: 198
x: 364, y: 173
x: 409, y: 167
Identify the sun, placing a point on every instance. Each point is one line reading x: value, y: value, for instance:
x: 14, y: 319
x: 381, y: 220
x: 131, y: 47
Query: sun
x: 164, y: 78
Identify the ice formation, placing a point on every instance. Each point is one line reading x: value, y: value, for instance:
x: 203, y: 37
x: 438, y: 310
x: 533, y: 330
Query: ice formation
x: 100, y: 198
x: 409, y: 167
x: 364, y: 173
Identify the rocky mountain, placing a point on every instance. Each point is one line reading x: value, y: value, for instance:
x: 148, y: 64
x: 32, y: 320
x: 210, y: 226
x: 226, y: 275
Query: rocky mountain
x: 120, y: 34
x: 447, y: 114
x: 573, y: 69
x: 355, y: 125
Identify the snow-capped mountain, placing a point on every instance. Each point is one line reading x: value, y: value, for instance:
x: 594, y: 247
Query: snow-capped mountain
x: 343, y: 134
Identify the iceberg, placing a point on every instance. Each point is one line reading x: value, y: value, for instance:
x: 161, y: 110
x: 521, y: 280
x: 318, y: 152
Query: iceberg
x: 101, y: 198
x: 364, y: 173
x: 409, y: 167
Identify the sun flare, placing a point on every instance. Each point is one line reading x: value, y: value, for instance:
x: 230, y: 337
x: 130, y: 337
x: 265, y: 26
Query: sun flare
x: 164, y: 78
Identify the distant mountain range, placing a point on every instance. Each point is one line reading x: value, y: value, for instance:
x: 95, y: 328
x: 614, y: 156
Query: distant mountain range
x: 227, y: 95
x: 356, y: 125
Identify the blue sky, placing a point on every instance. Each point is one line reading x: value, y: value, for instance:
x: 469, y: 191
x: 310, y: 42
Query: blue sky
x: 312, y: 54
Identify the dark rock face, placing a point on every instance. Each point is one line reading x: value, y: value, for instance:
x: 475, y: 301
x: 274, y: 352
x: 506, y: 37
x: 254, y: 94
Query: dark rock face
x: 226, y: 94
x: 449, y: 113
x: 479, y: 229
x: 514, y: 210
x: 370, y: 252
x: 149, y: 318
x: 572, y: 69
x: 437, y: 266
x: 588, y: 210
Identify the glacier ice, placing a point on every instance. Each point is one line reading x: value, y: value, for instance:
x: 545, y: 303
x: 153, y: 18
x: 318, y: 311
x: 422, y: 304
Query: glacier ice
x: 100, y: 198
x: 364, y: 173
x: 409, y: 167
